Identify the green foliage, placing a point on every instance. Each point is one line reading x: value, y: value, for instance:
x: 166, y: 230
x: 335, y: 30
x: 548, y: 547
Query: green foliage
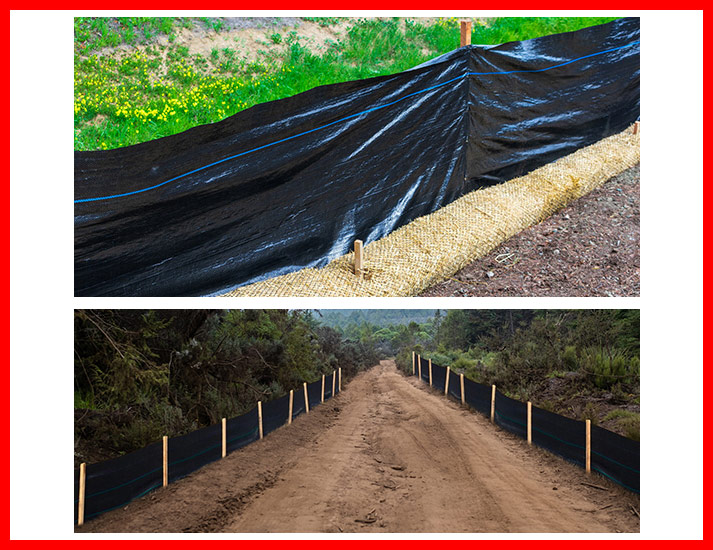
x: 115, y: 107
x: 144, y: 374
x: 607, y: 368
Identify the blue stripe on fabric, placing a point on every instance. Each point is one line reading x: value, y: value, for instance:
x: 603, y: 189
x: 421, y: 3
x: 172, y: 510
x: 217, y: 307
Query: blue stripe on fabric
x: 366, y: 111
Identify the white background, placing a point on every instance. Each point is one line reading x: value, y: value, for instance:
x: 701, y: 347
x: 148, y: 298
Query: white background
x: 41, y: 332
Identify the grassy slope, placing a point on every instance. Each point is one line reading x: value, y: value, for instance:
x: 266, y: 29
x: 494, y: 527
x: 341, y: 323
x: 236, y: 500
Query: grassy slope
x: 147, y: 90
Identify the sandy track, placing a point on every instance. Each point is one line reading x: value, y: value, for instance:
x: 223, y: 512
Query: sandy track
x: 386, y: 455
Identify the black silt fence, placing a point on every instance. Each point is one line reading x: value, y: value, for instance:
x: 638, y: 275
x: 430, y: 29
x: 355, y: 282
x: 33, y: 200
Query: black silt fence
x: 314, y: 392
x: 563, y: 436
x: 275, y: 413
x: 477, y: 396
x: 616, y: 457
x: 298, y: 402
x: 511, y: 415
x: 241, y: 430
x: 113, y: 483
x: 187, y: 453
x: 424, y: 370
x: 454, y: 386
x: 439, y: 377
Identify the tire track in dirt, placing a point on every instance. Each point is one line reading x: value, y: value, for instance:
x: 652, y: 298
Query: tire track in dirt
x: 385, y: 455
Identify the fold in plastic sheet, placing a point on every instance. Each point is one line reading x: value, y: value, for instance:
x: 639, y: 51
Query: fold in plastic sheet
x: 292, y: 183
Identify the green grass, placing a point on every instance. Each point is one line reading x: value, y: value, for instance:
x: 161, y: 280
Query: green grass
x: 135, y: 96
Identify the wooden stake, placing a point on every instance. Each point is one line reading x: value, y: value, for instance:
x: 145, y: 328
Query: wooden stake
x: 529, y: 423
x: 635, y: 130
x: 419, y: 367
x: 259, y: 417
x: 340, y: 379
x: 465, y: 28
x: 413, y: 363
x: 306, y: 399
x: 322, y: 400
x: 165, y: 460
x: 588, y: 445
x: 358, y: 258
x: 82, y: 491
x: 462, y: 390
x: 448, y: 375
x: 334, y: 381
x: 430, y: 374
x: 292, y: 400
x: 492, y: 405
x: 223, y: 438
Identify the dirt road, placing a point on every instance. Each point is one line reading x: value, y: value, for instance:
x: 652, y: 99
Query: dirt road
x: 385, y: 455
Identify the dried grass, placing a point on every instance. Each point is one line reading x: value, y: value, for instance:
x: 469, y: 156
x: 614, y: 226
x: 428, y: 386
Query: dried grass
x: 434, y: 247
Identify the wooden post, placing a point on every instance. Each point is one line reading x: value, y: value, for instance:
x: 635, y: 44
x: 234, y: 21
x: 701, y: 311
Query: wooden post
x: 462, y: 390
x: 529, y: 423
x: 448, y: 375
x: 259, y: 417
x: 322, y: 400
x: 430, y: 374
x: 358, y: 258
x: 165, y: 460
x: 82, y: 491
x: 492, y: 405
x: 340, y: 379
x: 635, y: 130
x: 292, y: 399
x: 223, y: 438
x: 465, y: 28
x: 413, y: 363
x: 334, y: 381
x: 306, y: 399
x: 419, y: 367
x: 588, y: 445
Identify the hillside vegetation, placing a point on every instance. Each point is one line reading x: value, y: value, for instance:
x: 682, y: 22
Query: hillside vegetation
x: 140, y: 78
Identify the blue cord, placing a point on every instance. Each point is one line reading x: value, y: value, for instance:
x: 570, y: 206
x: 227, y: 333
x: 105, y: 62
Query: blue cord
x: 77, y: 201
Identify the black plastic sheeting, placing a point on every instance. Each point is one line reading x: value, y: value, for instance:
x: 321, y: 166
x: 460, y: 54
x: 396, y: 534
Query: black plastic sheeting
x: 114, y: 483
x: 292, y: 183
x: 454, y: 386
x: 510, y: 414
x: 616, y: 457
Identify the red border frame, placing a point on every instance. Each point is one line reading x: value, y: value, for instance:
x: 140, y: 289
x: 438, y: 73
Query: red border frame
x: 404, y: 6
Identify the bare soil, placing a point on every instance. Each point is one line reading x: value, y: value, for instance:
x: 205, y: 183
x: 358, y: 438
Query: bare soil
x: 589, y: 248
x: 388, y: 454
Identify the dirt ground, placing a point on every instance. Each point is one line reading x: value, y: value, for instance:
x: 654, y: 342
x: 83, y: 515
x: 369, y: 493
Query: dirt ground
x: 388, y: 454
x: 590, y: 248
